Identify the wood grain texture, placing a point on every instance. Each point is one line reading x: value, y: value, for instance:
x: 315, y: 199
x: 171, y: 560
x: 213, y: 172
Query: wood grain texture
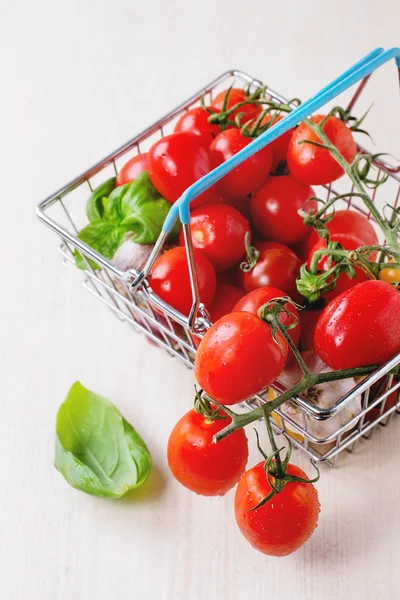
x: 78, y: 79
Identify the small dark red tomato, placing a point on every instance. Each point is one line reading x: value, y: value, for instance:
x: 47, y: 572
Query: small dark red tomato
x: 195, y: 120
x: 226, y: 296
x: 260, y: 246
x: 238, y: 357
x: 219, y: 231
x: 132, y: 169
x: 308, y: 321
x: 250, y: 174
x: 198, y: 464
x: 169, y: 279
x: 279, y: 146
x: 343, y: 282
x: 254, y: 300
x: 275, y: 267
x: 175, y: 162
x: 236, y: 95
x: 274, y: 209
x: 286, y: 522
x: 360, y: 327
x: 316, y: 166
x: 352, y: 222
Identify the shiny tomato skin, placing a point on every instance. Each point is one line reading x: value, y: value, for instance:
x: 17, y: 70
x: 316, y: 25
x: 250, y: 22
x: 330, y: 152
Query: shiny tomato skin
x: 275, y: 267
x: 391, y: 274
x: 237, y: 358
x: 343, y: 282
x: 175, y: 162
x: 274, y: 209
x: 226, y: 297
x: 316, y: 166
x: 360, y: 327
x: 195, y: 120
x: 205, y: 468
x: 169, y: 279
x: 219, y: 230
x: 246, y: 177
x: 351, y: 222
x: 236, y: 95
x: 132, y: 169
x: 252, y: 301
x: 308, y: 322
x: 286, y: 522
x: 279, y: 146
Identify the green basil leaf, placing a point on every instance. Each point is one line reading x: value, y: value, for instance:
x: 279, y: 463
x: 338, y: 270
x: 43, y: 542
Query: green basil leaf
x: 95, y: 202
x: 97, y: 450
x: 103, y: 236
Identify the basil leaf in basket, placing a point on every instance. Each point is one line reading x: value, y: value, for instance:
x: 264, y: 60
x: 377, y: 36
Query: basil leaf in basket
x: 95, y: 202
x: 103, y: 236
x: 97, y: 450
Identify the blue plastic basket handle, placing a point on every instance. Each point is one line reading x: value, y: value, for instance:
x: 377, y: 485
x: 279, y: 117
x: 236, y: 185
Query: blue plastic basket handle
x: 358, y: 71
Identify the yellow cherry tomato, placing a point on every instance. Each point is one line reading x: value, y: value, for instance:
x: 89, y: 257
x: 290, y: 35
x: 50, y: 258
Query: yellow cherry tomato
x: 391, y: 275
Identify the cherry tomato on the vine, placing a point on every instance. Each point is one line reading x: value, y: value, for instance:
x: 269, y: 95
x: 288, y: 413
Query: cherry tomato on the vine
x: 343, y: 282
x: 285, y: 523
x: 195, y: 120
x: 313, y: 165
x: 250, y: 174
x: 274, y: 209
x: 254, y: 300
x: 236, y: 95
x: 175, y: 162
x: 132, y: 169
x: 219, y: 231
x: 352, y: 222
x: 169, y: 279
x: 391, y: 274
x: 197, y: 463
x: 360, y: 327
x: 238, y: 357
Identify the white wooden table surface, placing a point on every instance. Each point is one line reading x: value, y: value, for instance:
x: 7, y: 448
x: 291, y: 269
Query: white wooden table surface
x: 78, y: 79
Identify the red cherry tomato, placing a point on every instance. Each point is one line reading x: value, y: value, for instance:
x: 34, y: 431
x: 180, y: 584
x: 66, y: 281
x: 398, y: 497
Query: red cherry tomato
x: 283, y: 524
x: 169, y: 279
x: 316, y: 166
x: 219, y: 231
x: 241, y: 204
x: 132, y: 169
x: 175, y: 162
x: 274, y: 209
x: 308, y: 321
x: 343, y: 282
x: 254, y: 300
x: 249, y: 175
x: 348, y: 221
x: 226, y: 297
x: 279, y: 146
x: 360, y: 327
x: 195, y: 120
x: 237, y: 358
x: 275, y: 267
x: 236, y: 95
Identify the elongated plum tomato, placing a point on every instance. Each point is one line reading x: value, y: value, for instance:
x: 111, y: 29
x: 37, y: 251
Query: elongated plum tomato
x: 360, y: 327
x: 169, y: 279
x: 250, y: 174
x: 195, y: 120
x: 351, y: 222
x: 175, y: 162
x: 219, y: 231
x: 236, y: 95
x: 254, y: 300
x: 277, y: 267
x: 238, y: 357
x: 274, y: 209
x: 316, y: 166
x: 343, y: 282
x: 200, y: 465
x: 132, y: 169
x: 285, y: 523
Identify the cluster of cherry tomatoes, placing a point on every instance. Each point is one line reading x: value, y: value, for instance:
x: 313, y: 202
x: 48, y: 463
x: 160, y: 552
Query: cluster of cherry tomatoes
x: 259, y: 201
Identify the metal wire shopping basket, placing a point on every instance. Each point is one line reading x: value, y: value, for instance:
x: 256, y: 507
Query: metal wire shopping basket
x: 128, y: 295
